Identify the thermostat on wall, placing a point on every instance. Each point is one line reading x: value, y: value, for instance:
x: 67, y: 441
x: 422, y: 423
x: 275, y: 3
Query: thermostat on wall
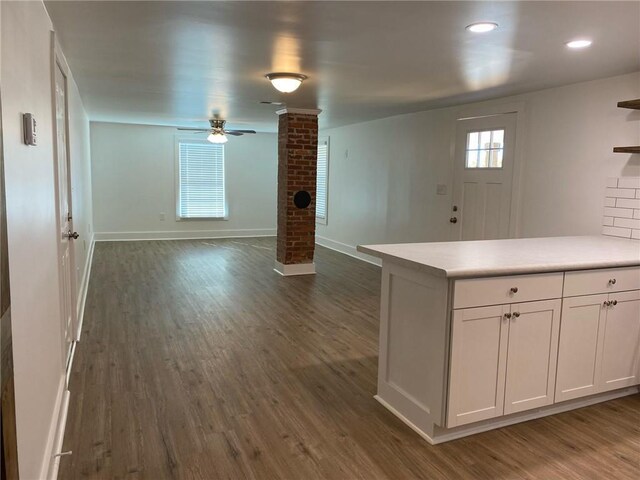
x: 29, y: 128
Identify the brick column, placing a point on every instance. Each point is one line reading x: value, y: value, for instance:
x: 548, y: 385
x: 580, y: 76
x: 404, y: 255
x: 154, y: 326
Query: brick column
x: 297, y: 168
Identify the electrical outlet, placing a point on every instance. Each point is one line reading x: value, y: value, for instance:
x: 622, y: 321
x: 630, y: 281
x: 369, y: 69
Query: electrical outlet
x: 162, y: 216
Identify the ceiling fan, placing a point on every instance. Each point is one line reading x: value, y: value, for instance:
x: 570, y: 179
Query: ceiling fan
x: 217, y: 132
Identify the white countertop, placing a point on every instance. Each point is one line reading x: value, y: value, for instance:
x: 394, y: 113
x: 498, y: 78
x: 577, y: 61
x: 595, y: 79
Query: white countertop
x: 514, y: 256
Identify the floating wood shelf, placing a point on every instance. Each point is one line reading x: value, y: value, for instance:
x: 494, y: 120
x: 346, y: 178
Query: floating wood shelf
x: 633, y: 104
x: 626, y: 149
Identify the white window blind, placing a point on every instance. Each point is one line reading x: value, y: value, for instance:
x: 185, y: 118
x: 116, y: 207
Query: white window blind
x: 322, y: 179
x: 201, y: 184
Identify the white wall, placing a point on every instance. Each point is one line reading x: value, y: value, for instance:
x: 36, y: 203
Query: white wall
x: 385, y: 190
x: 134, y: 182
x: 25, y: 75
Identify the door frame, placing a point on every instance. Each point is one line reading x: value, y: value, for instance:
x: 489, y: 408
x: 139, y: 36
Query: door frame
x: 58, y: 59
x: 519, y: 109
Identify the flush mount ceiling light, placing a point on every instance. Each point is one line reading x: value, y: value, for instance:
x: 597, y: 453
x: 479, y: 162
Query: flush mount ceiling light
x: 482, y: 27
x: 286, y: 82
x: 579, y: 43
x: 217, y: 137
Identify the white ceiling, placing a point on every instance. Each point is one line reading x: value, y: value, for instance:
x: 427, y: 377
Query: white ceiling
x: 176, y: 63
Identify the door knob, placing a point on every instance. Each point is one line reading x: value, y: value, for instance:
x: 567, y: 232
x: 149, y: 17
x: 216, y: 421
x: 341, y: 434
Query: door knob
x: 73, y: 235
x: 453, y: 220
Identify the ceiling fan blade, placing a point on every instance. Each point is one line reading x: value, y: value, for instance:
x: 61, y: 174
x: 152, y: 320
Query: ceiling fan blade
x: 195, y: 129
x: 231, y: 132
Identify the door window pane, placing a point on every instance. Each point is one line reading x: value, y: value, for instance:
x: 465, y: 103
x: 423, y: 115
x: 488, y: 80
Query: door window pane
x: 485, y: 149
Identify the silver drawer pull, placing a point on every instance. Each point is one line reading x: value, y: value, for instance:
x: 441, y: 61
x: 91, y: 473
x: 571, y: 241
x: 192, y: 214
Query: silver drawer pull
x: 507, y: 315
x: 612, y: 281
x: 514, y: 289
x: 614, y: 303
x: 516, y: 314
x: 606, y: 303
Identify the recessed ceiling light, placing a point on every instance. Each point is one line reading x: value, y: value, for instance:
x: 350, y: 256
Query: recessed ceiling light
x: 286, y: 82
x: 482, y: 27
x: 581, y: 43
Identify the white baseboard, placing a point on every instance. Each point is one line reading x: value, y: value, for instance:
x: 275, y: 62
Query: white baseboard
x: 347, y: 250
x: 295, y: 269
x: 442, y: 435
x: 84, y: 288
x: 183, y: 235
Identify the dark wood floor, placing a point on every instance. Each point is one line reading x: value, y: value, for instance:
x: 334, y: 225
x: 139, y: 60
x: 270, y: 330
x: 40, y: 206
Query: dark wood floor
x: 197, y: 361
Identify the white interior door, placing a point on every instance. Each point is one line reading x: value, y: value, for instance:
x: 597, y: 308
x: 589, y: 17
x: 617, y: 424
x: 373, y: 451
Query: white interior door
x: 483, y: 177
x: 65, y: 218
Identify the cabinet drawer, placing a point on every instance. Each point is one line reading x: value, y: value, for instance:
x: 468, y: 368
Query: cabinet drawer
x: 477, y: 292
x: 588, y: 282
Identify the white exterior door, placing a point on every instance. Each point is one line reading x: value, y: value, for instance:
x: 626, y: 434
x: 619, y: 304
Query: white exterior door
x: 65, y: 219
x: 483, y: 177
x: 478, y: 362
x: 532, y: 355
x: 620, y: 342
x: 579, y: 347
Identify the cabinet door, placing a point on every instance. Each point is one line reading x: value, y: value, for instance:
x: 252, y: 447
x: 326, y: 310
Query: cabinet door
x: 478, y: 361
x: 621, y: 342
x: 578, y: 350
x: 531, y: 355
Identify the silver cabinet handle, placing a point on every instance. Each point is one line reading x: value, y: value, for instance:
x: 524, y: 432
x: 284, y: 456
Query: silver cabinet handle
x: 612, y: 281
x: 507, y: 315
x: 614, y: 303
x: 514, y: 289
x: 606, y: 303
x: 516, y: 314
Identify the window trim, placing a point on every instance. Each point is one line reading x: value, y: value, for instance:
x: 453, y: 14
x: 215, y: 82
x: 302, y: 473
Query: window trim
x: 181, y: 138
x: 324, y: 220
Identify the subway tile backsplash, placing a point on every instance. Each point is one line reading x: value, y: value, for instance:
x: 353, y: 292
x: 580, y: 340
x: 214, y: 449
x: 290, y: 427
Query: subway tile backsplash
x: 622, y: 208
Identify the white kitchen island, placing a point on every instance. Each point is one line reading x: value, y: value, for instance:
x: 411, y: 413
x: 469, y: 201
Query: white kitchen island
x: 483, y: 334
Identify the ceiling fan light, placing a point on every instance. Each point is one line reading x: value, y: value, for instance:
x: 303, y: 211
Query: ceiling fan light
x: 217, y: 138
x: 286, y: 82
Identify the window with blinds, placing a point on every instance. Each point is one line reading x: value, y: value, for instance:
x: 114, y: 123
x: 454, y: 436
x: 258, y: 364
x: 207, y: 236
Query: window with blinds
x: 201, y: 180
x: 322, y: 180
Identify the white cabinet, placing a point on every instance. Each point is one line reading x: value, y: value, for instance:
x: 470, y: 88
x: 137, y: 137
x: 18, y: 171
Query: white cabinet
x: 621, y: 342
x: 599, y: 348
x: 503, y: 360
x: 478, y: 364
x: 582, y: 321
x: 532, y: 355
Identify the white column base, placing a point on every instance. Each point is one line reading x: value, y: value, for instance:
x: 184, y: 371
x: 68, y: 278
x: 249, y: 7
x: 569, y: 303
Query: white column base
x: 295, y: 269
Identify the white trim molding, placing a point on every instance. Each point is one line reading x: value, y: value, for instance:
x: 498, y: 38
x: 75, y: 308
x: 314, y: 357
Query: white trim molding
x: 56, y: 431
x: 84, y: 287
x: 183, y: 234
x: 295, y: 269
x: 347, y: 250
x: 302, y: 111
